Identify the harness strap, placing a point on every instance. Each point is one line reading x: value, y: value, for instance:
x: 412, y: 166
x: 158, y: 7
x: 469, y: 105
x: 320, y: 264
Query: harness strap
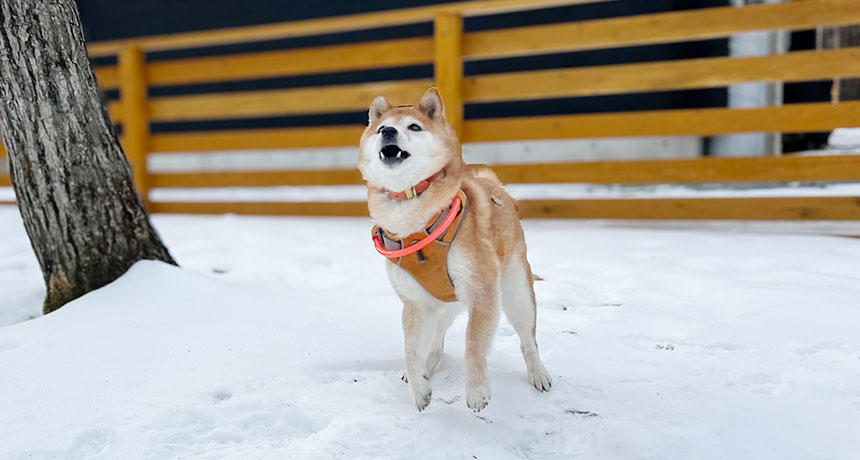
x: 424, y: 254
x: 424, y: 242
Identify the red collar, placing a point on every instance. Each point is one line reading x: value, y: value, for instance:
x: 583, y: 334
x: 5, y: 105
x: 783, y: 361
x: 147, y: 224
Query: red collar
x: 416, y: 189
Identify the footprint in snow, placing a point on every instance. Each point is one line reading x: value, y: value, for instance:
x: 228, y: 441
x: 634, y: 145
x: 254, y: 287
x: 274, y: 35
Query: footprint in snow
x: 221, y: 395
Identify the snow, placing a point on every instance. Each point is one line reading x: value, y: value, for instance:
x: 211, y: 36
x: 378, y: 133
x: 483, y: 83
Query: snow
x: 519, y: 191
x: 662, y: 344
x: 845, y: 138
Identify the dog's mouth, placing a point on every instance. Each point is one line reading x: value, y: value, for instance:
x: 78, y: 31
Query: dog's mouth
x: 392, y: 154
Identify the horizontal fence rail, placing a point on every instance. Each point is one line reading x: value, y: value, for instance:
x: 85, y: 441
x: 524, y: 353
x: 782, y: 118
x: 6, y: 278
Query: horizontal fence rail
x: 541, y: 84
x: 659, y: 28
x: 447, y: 51
x: 659, y: 76
x: 788, y: 119
x: 807, y: 208
x: 692, y: 171
x: 252, y: 104
x: 793, y: 118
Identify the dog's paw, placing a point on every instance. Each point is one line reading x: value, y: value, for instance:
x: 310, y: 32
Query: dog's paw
x: 421, y: 392
x: 540, y: 378
x: 421, y: 398
x: 478, y: 396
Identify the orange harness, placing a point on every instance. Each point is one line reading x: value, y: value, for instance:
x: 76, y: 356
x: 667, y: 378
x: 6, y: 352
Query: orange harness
x: 424, y: 254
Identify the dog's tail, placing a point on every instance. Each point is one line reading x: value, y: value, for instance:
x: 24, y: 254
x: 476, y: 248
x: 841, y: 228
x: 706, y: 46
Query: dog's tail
x: 486, y: 173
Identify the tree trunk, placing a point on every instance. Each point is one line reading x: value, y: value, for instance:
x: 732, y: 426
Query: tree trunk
x: 73, y: 183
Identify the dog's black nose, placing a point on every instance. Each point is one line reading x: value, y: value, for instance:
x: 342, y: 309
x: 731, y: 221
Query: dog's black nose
x: 388, y: 132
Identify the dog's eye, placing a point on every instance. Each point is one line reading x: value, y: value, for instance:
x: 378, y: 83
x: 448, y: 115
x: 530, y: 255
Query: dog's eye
x: 381, y: 127
x: 414, y: 127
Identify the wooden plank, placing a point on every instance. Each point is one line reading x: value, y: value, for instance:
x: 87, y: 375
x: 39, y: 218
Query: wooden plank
x: 250, y: 104
x: 251, y: 139
x: 107, y: 77
x: 335, y: 24
x: 792, y: 208
x: 699, y: 170
x: 321, y: 208
x: 658, y: 76
x: 789, y: 118
x: 257, y: 178
x: 760, y: 169
x: 448, y: 66
x: 115, y: 111
x: 5, y: 180
x: 302, y: 61
x: 135, y: 107
x: 658, y: 28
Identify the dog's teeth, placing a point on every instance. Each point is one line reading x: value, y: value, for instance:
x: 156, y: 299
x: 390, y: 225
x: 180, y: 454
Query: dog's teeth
x: 381, y: 156
x: 398, y: 153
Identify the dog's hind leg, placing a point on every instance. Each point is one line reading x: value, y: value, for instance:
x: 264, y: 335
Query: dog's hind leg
x: 419, y: 327
x: 518, y: 303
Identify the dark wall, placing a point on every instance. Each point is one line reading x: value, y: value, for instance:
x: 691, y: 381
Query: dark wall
x: 110, y: 19
x: 810, y: 91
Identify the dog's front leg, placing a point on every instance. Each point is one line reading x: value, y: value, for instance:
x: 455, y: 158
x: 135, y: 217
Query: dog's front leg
x: 483, y: 321
x: 418, y: 330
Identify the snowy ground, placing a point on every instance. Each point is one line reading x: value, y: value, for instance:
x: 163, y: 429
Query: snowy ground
x: 662, y: 344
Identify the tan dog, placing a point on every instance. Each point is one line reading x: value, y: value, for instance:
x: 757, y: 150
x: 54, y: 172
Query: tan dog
x: 412, y: 150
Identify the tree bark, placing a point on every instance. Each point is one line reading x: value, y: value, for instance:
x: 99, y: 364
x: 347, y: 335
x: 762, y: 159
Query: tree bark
x: 73, y: 184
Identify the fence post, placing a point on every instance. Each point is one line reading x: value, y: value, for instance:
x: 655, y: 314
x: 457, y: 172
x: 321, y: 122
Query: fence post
x: 448, y: 66
x: 134, y: 101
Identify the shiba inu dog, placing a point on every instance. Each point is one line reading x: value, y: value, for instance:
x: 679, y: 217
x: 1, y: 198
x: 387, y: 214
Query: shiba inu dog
x: 418, y: 187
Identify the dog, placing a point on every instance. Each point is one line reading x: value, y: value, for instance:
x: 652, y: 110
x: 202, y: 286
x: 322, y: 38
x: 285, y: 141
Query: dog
x: 412, y: 162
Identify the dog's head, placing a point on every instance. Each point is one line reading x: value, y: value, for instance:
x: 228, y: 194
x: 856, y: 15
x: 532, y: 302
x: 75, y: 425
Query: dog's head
x: 404, y: 145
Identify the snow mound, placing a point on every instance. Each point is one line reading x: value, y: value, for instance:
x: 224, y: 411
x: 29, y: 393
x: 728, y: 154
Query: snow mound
x: 661, y: 344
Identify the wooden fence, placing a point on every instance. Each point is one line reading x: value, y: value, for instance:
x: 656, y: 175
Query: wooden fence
x: 447, y: 50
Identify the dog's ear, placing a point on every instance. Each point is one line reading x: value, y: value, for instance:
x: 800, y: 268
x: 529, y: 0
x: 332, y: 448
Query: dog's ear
x: 431, y: 105
x: 379, y: 106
